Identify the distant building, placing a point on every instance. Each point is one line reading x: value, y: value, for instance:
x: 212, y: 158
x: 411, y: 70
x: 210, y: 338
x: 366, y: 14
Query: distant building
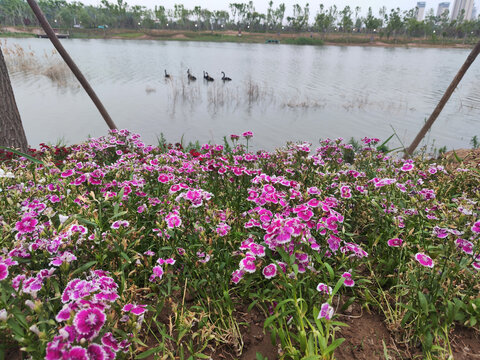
x: 463, y: 5
x: 420, y: 10
x: 442, y: 7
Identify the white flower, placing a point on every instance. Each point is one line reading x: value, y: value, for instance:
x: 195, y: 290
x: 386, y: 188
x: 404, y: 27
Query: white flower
x: 62, y: 218
x: 3, y: 315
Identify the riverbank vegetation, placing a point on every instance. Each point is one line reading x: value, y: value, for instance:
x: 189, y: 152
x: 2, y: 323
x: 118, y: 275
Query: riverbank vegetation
x: 117, y: 248
x: 328, y: 24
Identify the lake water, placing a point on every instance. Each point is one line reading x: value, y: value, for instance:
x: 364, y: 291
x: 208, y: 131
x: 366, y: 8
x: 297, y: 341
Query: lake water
x: 280, y: 92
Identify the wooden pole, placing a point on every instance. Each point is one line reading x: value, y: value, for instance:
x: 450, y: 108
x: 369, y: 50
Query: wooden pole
x: 71, y: 64
x: 470, y: 59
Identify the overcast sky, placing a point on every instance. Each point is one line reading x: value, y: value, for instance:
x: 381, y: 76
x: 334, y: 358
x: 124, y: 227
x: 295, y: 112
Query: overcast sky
x: 261, y: 5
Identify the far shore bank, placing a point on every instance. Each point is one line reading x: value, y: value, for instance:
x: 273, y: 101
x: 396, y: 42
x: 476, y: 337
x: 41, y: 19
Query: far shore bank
x: 313, y: 38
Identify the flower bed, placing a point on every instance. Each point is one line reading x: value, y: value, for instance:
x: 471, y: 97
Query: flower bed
x: 116, y: 249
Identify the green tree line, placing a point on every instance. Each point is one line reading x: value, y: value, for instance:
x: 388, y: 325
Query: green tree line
x: 119, y: 14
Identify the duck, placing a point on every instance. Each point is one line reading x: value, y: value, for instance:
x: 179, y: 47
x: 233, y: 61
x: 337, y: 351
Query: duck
x: 167, y: 76
x: 190, y: 76
x: 207, y: 77
x: 225, y: 78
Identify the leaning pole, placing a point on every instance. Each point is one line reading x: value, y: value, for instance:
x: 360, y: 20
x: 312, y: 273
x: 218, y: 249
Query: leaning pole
x: 470, y: 59
x: 71, y: 64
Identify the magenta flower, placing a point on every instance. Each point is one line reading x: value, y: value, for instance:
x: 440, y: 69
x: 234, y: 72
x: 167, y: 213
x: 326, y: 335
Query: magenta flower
x: 26, y: 225
x: 237, y: 275
x: 348, y: 279
x: 247, y: 134
x: 234, y: 137
x: 135, y: 309
x: 67, y: 173
x: 248, y: 264
x: 157, y: 272
x: 96, y: 352
x: 269, y: 271
x: 256, y: 250
x: 3, y: 271
x: 326, y: 312
x: 395, y: 242
x: 173, y: 220
x: 476, y: 227
x: 324, y: 288
x: 424, y: 260
x: 109, y: 340
x: 76, y: 353
x: 64, y: 314
x: 163, y: 178
x: 407, y: 167
x: 89, y: 321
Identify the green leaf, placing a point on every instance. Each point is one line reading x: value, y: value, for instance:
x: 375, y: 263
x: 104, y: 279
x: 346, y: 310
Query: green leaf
x: 147, y: 353
x: 31, y: 158
x: 330, y: 271
x: 423, y: 302
x: 84, y: 221
x: 202, y: 356
x: 331, y: 348
x: 337, y: 287
x: 16, y: 329
x: 84, y: 267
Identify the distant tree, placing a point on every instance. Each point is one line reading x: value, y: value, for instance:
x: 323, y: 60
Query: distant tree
x: 299, y: 20
x: 395, y: 22
x: 346, y: 21
x: 371, y: 22
x: 11, y: 127
x: 325, y: 19
x: 160, y: 15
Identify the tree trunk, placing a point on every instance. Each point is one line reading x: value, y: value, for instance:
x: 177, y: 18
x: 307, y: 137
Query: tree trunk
x: 11, y: 128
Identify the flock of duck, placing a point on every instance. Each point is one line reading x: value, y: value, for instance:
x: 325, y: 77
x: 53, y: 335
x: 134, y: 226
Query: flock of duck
x: 207, y: 77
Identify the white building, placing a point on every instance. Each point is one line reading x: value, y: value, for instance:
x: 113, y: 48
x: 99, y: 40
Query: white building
x: 465, y: 5
x: 442, y: 7
x: 420, y: 10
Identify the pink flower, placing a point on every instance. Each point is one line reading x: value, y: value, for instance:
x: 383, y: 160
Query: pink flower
x: 26, y: 225
x: 256, y: 250
x: 64, y: 314
x: 234, y: 137
x: 135, y: 309
x: 248, y: 264
x: 247, y: 134
x: 67, y: 173
x: 237, y: 275
x: 324, y: 288
x: 173, y: 220
x: 163, y: 178
x: 269, y: 271
x: 395, y: 242
x: 3, y: 271
x: 326, y: 312
x: 476, y: 227
x: 76, y: 353
x: 348, y: 279
x: 89, y: 321
x: 109, y: 340
x: 96, y: 352
x: 407, y: 167
x: 424, y: 260
x: 157, y: 272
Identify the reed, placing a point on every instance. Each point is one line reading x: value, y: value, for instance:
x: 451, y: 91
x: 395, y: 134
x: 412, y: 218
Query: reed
x: 27, y: 62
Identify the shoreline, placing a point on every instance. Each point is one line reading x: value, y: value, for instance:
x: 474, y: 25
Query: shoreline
x: 312, y: 39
